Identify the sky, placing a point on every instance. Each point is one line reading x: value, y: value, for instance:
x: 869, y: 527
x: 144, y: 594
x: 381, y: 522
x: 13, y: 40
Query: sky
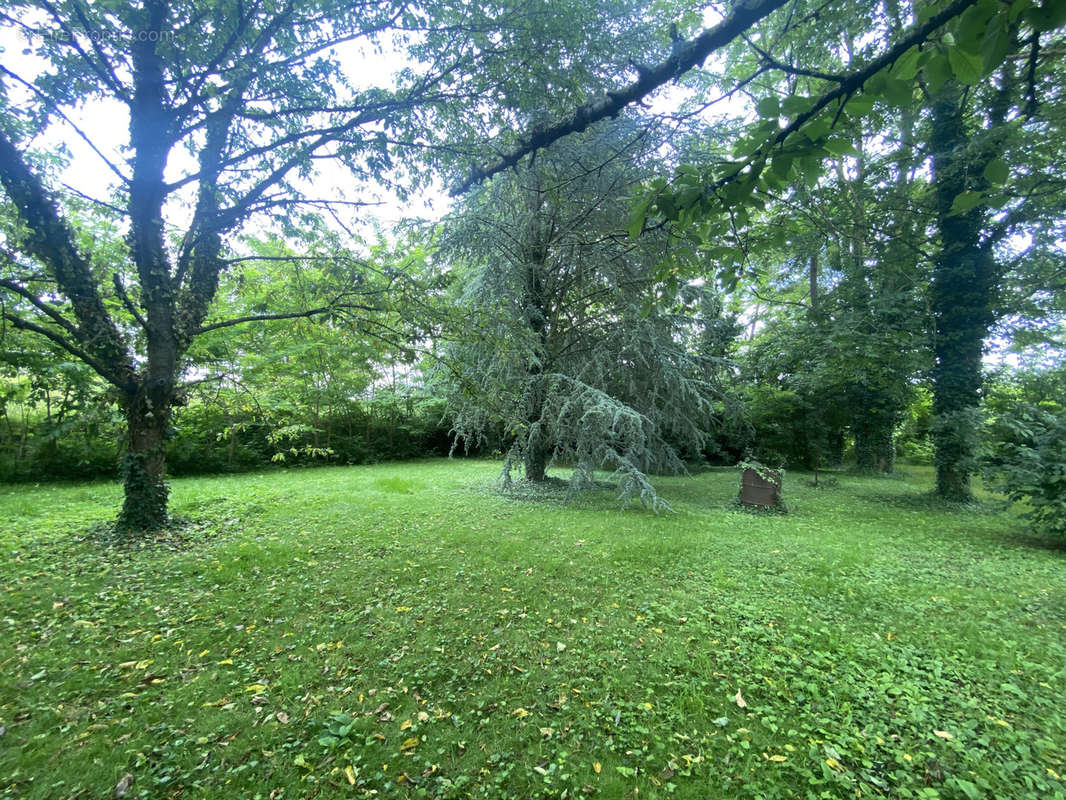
x: 106, y: 124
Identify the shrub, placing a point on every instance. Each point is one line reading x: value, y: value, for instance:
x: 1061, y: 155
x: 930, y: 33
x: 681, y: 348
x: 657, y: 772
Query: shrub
x: 1026, y: 461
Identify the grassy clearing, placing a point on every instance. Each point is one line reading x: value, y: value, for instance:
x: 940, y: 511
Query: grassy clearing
x: 405, y: 631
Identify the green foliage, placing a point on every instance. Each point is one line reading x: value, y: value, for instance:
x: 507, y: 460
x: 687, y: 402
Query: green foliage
x: 450, y: 642
x: 572, y: 348
x: 137, y: 517
x: 1026, y: 461
x: 957, y: 435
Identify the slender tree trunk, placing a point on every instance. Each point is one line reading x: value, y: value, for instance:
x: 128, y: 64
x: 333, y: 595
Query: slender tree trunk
x: 812, y: 277
x: 836, y: 449
x: 536, y: 450
x: 885, y: 447
x: 143, y: 466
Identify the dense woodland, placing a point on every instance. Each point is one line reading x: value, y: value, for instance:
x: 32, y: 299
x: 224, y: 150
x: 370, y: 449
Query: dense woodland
x: 813, y: 235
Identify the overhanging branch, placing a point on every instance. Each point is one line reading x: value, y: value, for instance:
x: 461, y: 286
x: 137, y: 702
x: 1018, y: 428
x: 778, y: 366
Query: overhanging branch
x: 310, y: 312
x: 686, y: 56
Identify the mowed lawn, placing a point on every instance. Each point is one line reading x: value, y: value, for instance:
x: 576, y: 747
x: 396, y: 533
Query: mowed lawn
x: 405, y: 631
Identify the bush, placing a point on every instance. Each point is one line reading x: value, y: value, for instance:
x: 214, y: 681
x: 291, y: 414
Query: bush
x: 1026, y: 461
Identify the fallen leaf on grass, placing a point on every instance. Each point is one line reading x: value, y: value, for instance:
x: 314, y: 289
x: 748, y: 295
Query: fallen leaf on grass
x: 123, y: 785
x: 943, y: 734
x: 741, y: 702
x: 410, y: 744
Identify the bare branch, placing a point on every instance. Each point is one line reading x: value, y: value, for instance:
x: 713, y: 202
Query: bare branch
x: 310, y: 312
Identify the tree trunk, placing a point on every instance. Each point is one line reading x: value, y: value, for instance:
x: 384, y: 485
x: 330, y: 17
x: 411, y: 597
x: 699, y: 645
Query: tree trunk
x: 536, y: 463
x: 875, y: 449
x: 963, y: 285
x: 835, y: 457
x: 144, y: 465
x: 885, y: 449
x: 864, y: 448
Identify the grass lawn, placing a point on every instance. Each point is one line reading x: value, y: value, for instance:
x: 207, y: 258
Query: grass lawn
x: 404, y: 631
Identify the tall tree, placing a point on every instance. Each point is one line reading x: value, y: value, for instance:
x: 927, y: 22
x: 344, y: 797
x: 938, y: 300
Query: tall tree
x: 574, y: 350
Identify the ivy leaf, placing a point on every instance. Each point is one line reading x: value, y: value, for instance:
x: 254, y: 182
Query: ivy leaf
x: 769, y: 107
x: 840, y: 147
x: 794, y: 105
x: 1049, y: 16
x: 967, y: 67
x: 637, y: 217
x: 937, y: 72
x: 860, y: 105
x: 906, y: 66
x: 997, y: 171
x: 966, y: 201
x: 898, y: 92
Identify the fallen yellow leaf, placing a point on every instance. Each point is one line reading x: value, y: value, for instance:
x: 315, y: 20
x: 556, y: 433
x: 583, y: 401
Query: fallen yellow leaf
x: 597, y: 767
x: 779, y: 759
x: 834, y: 764
x: 409, y: 744
x: 405, y: 724
x: 349, y: 773
x: 943, y: 734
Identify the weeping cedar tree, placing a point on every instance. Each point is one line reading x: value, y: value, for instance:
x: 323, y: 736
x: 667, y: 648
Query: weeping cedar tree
x: 230, y: 106
x: 570, y: 346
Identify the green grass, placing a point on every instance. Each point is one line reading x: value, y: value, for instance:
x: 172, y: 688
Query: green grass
x: 406, y: 631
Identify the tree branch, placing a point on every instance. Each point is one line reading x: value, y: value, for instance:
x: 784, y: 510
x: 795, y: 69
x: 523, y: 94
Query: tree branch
x: 49, y: 311
x: 101, y: 369
x: 686, y: 56
x: 51, y: 241
x: 310, y: 312
x: 854, y: 82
